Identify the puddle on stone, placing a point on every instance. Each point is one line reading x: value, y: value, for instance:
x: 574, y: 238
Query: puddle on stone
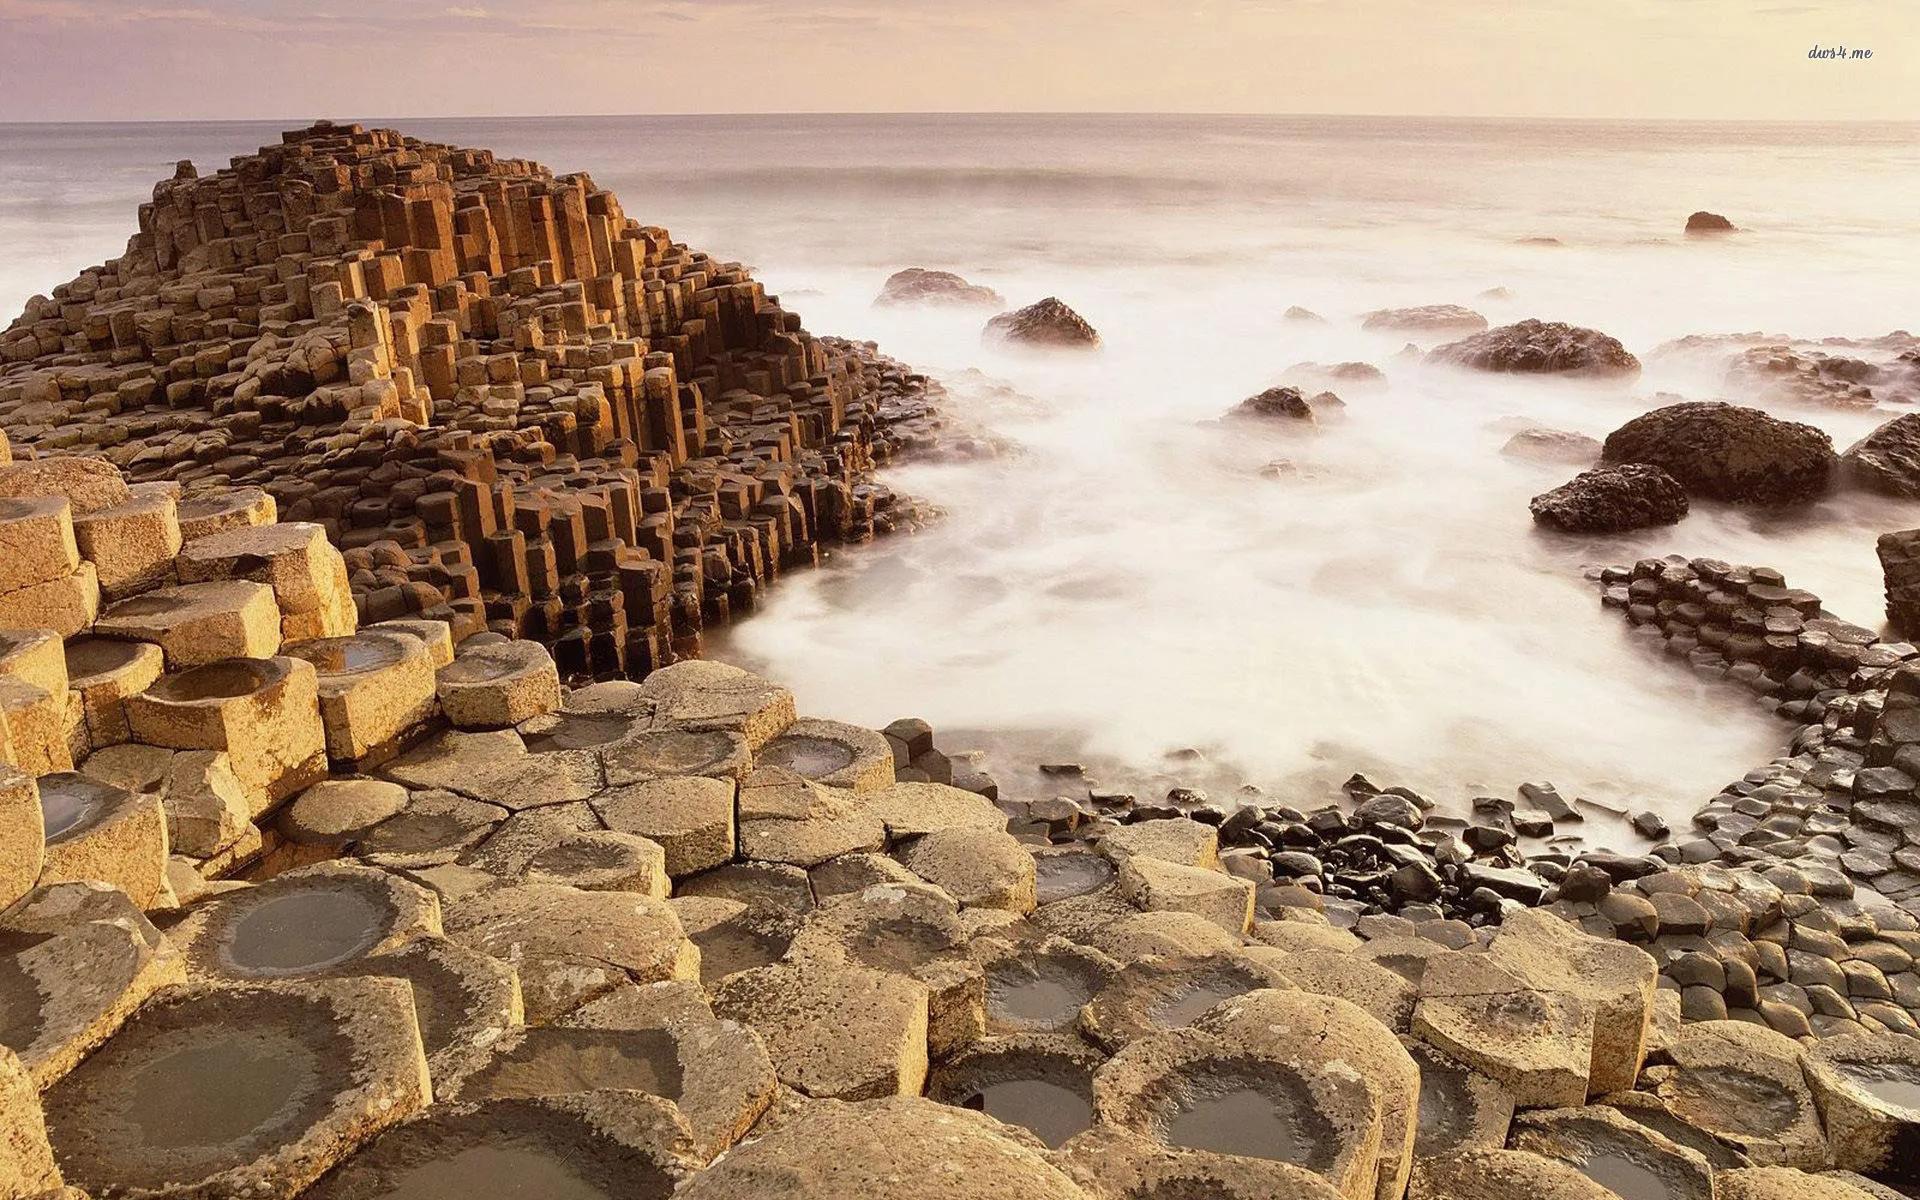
x: 71, y: 804
x: 506, y: 1169
x: 91, y: 656
x: 811, y: 757
x: 303, y: 929
x: 218, y: 1089
x: 1247, y: 1109
x: 729, y: 947
x: 213, y: 681
x: 1064, y: 876
x: 572, y: 731
x: 1729, y: 1100
x: 900, y: 944
x: 1047, y: 993
x: 146, y: 606
x: 1627, y: 1177
x: 1051, y: 1111
x: 347, y: 655
x: 1894, y: 1084
x: 1194, y: 998
x: 554, y: 1062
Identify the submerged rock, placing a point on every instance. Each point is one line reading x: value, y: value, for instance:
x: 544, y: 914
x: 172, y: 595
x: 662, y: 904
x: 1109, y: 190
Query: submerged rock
x: 1706, y: 222
x: 1286, y: 403
x: 1552, y: 445
x: 1540, y: 347
x: 1047, y: 323
x: 1727, y: 452
x: 916, y: 285
x: 1427, y: 318
x: 1327, y: 375
x: 1296, y: 313
x: 1784, y: 375
x: 1888, y: 459
x: 1612, y: 500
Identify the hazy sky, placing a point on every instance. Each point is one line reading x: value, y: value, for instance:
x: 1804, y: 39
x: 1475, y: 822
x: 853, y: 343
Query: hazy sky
x: 179, y: 59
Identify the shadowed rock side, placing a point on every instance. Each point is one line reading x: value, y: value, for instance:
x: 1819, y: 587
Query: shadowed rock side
x: 1709, y: 223
x: 1612, y: 500
x: 512, y: 406
x: 1044, y: 324
x: 916, y: 285
x: 1726, y: 452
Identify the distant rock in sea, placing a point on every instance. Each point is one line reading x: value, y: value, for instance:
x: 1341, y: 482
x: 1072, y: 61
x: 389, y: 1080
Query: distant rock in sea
x: 915, y: 285
x: 1540, y: 347
x: 1286, y: 403
x: 1726, y: 452
x: 1427, y: 318
x: 1296, y: 313
x: 1612, y: 499
x: 1538, y: 241
x: 1552, y: 445
x: 1355, y: 376
x: 1045, y: 324
x: 1706, y: 222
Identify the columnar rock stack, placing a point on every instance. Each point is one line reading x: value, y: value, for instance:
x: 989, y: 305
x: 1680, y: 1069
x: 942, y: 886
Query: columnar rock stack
x: 511, y: 406
x: 664, y: 938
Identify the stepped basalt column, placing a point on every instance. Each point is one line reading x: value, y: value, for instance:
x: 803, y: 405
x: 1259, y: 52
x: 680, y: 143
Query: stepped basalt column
x: 510, y: 404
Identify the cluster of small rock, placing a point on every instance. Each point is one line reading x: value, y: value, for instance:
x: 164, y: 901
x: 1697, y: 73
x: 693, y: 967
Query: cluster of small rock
x: 514, y: 407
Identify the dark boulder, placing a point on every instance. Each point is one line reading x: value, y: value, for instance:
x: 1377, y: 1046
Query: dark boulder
x: 1888, y: 459
x: 918, y: 286
x: 1542, y: 347
x: 1552, y: 445
x: 1783, y: 375
x: 1427, y: 318
x: 1706, y: 222
x: 1047, y: 323
x: 1612, y: 500
x: 1726, y: 452
x: 1285, y: 403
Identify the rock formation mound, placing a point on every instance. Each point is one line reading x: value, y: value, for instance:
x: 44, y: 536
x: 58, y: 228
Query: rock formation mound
x: 1540, y: 347
x: 915, y: 285
x: 1428, y: 318
x: 1044, y: 324
x: 1612, y: 500
x: 1286, y: 404
x: 1552, y: 445
x: 1726, y: 452
x: 1888, y: 459
x: 1706, y: 222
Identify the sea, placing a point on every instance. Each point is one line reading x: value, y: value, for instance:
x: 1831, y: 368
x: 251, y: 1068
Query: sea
x: 1122, y: 586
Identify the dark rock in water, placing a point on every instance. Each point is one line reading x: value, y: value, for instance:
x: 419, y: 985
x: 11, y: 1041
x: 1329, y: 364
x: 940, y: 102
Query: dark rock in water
x: 1286, y: 403
x: 1538, y: 241
x: 1727, y: 452
x: 1706, y: 222
x: 1047, y: 323
x: 1415, y: 883
x: 1540, y: 347
x: 1888, y: 459
x: 1552, y: 445
x: 1612, y: 500
x: 1513, y: 883
x: 918, y: 286
x: 1428, y: 318
x: 1650, y: 824
x: 1622, y: 867
x: 1296, y: 313
x: 1900, y: 561
x: 1584, y: 882
x: 1784, y: 375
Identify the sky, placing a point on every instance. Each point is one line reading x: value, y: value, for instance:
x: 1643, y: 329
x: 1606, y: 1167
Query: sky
x: 102, y: 60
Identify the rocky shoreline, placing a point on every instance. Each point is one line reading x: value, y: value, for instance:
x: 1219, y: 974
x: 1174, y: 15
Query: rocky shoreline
x: 369, y: 827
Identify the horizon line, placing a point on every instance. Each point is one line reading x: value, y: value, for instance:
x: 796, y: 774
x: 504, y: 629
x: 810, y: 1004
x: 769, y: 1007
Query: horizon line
x: 303, y: 122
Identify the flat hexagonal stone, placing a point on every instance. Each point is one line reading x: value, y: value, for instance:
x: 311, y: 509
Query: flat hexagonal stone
x: 498, y: 685
x: 1868, y: 1088
x: 1155, y: 885
x: 76, y: 960
x: 239, y: 1091
x: 658, y: 1038
x: 1040, y: 1082
x: 26, y: 1160
x: 786, y: 819
x: 831, y: 753
x: 1385, y: 995
x: 464, y: 1000
x: 95, y: 831
x: 910, y: 809
x: 570, y: 945
x: 1616, y: 979
x: 1502, y: 1175
x: 304, y: 922
x: 1538, y: 1044
x: 985, y: 868
x: 602, y: 1146
x: 495, y: 767
x: 1782, y: 1183
x: 702, y: 695
x: 666, y: 753
x: 1619, y: 1154
x: 1460, y: 1109
x: 1041, y: 988
x: 1746, y: 1085
x: 1192, y: 1089
x: 1157, y: 994
x: 1116, y: 1162
x: 435, y: 828
x: 339, y: 812
x: 733, y: 936
x: 691, y: 819
x: 833, y: 1151
x: 1141, y: 934
x: 1173, y: 839
x: 834, y: 1029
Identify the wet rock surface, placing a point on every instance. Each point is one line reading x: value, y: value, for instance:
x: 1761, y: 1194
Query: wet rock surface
x: 1727, y: 452
x: 1612, y: 500
x: 1044, y: 324
x: 1541, y: 347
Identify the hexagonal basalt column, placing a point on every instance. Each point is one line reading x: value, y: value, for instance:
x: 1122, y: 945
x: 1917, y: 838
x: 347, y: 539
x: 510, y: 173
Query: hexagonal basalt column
x: 1039, y: 1082
x: 100, y: 832
x: 307, y: 575
x: 232, y: 508
x: 499, y: 685
x: 23, y: 836
x: 690, y: 817
x: 132, y: 544
x: 1538, y: 1043
x: 105, y: 672
x: 76, y: 959
x: 26, y: 1160
x: 36, y: 540
x: 1158, y: 994
x: 699, y: 695
x: 595, y: 1146
x: 199, y: 623
x: 240, y: 1091
x: 304, y: 922
x: 1615, y: 1152
x: 264, y: 712
x: 1745, y: 1085
x: 376, y: 688
x: 1868, y: 1090
x: 831, y: 753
